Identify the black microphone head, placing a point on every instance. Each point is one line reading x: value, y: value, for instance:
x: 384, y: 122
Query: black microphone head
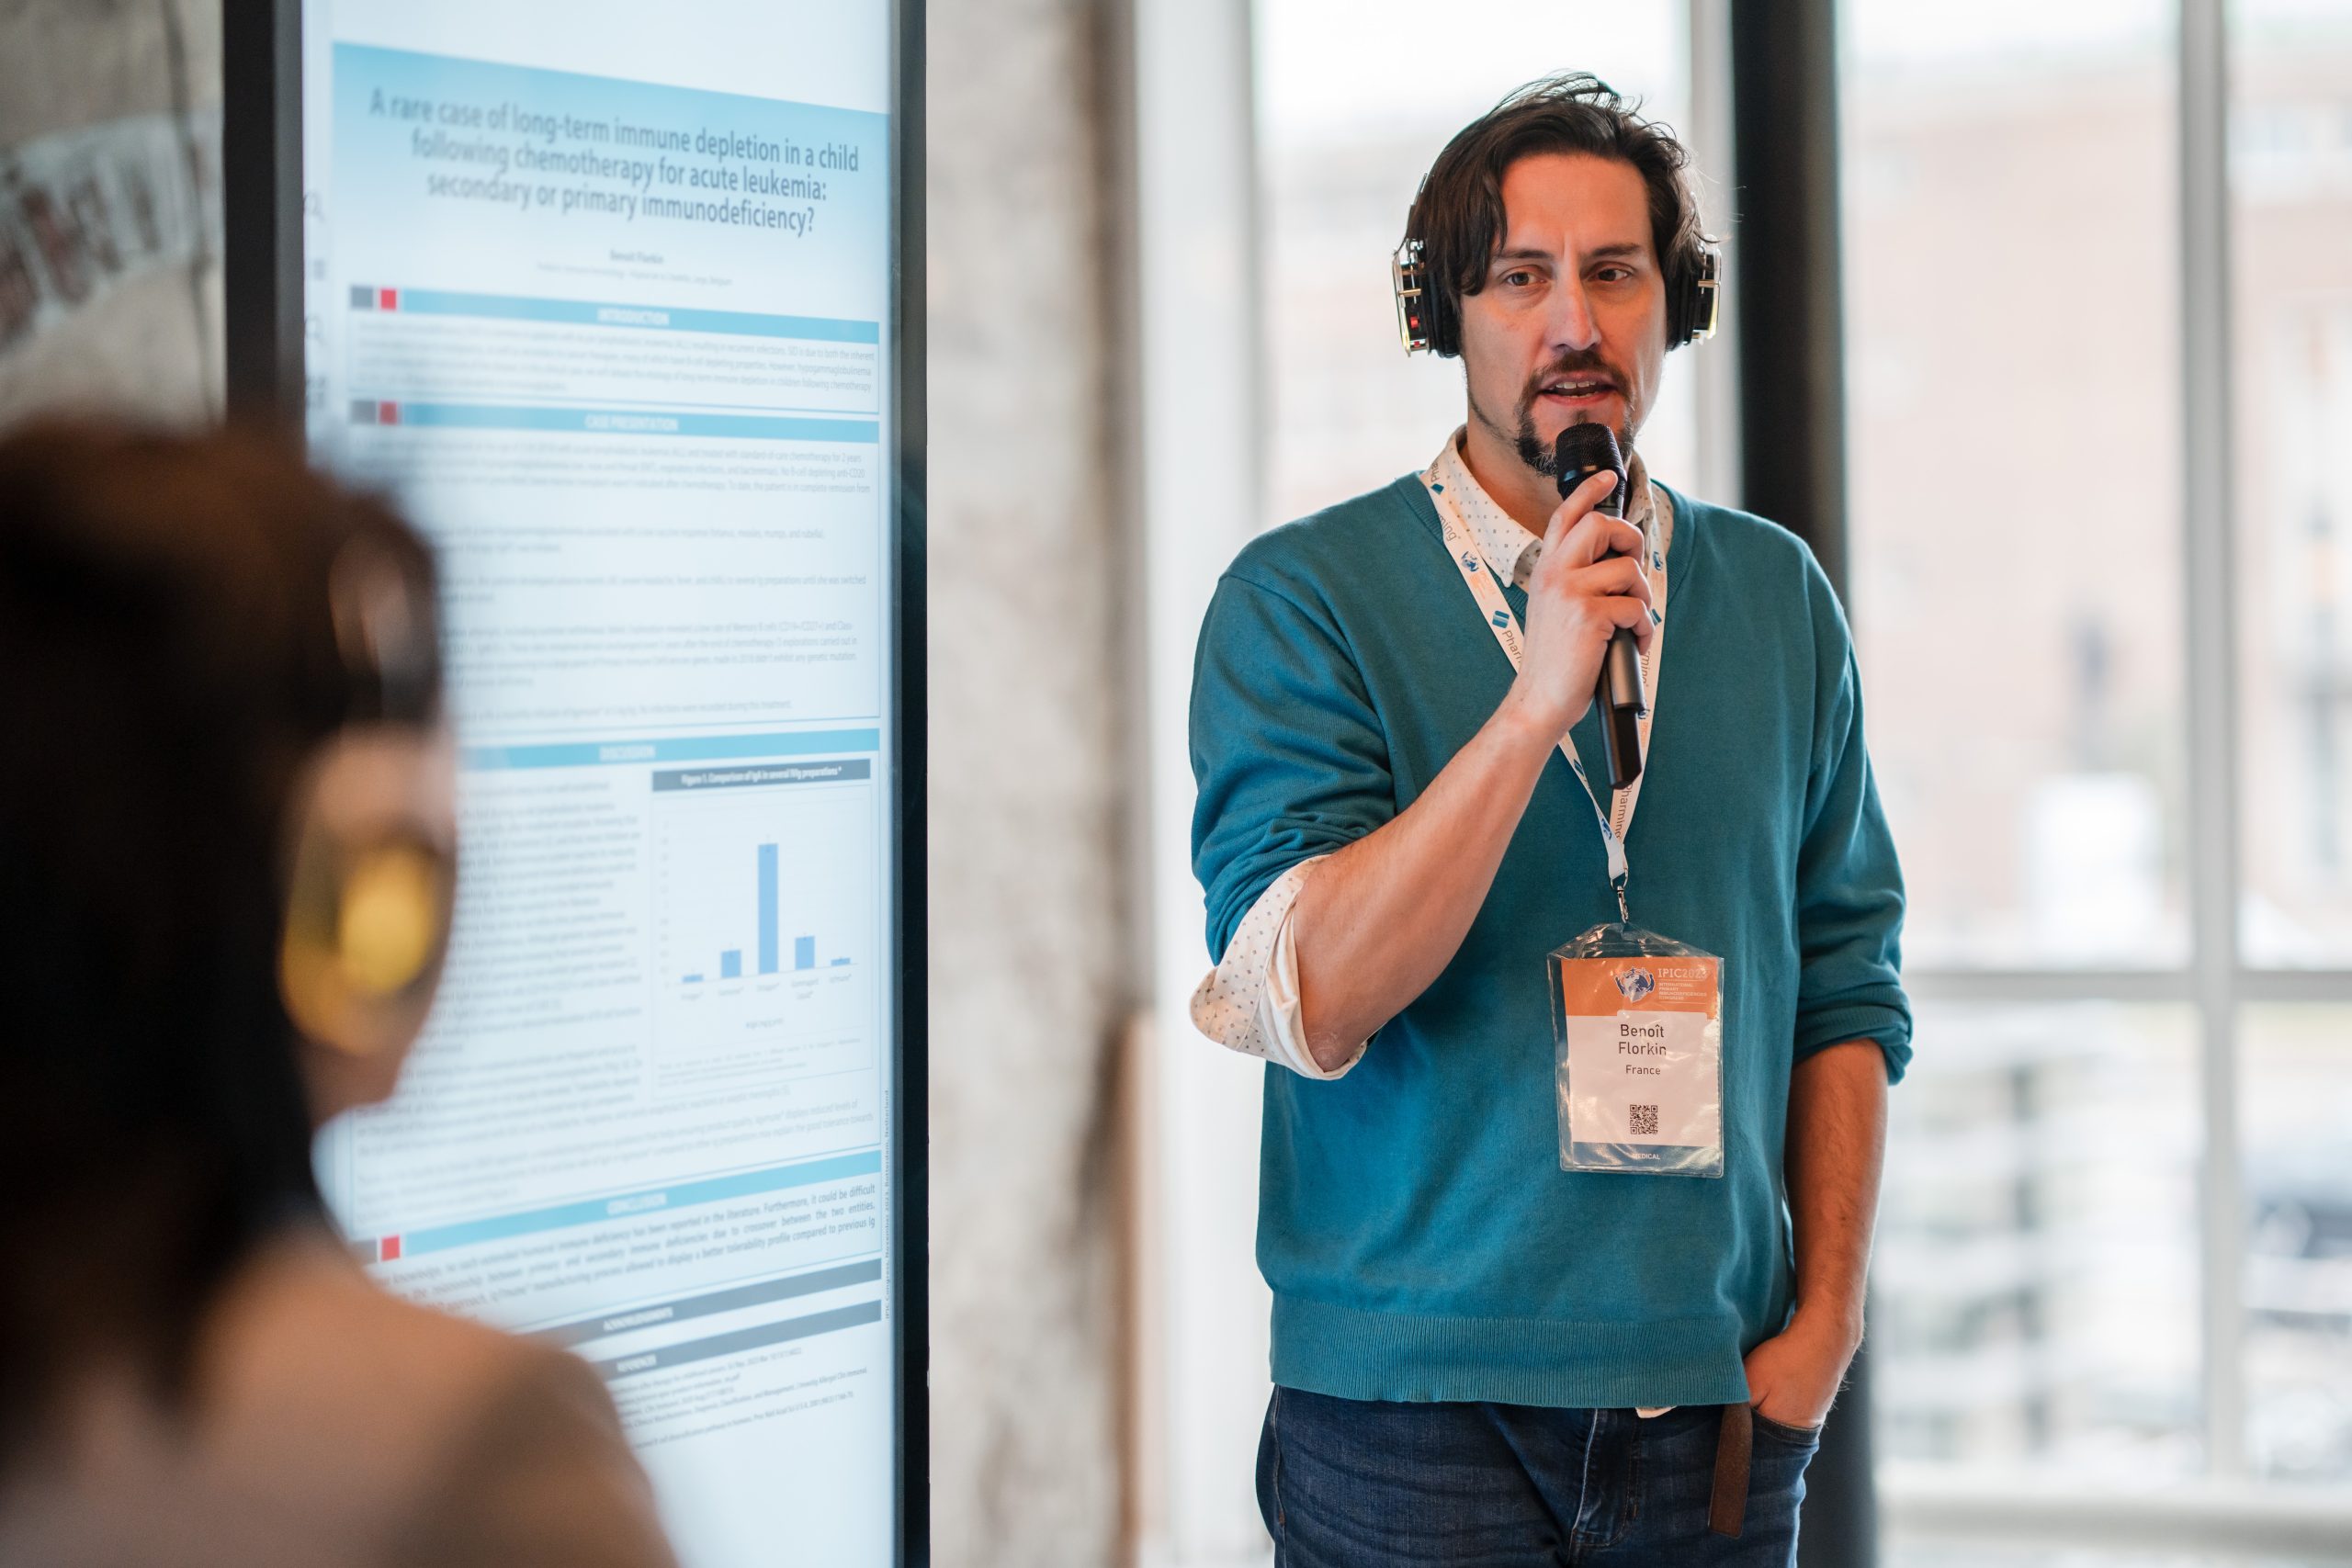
x: 1584, y: 450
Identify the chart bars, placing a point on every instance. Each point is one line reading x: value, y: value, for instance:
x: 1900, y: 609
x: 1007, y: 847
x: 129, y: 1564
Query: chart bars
x: 767, y: 911
x: 767, y: 948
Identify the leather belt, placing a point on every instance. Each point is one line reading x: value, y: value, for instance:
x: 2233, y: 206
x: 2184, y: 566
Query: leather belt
x: 1734, y: 1443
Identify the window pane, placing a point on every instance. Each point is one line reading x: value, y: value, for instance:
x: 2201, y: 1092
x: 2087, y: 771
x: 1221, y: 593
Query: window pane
x: 2035, y: 1284
x: 1355, y: 98
x: 2012, y: 347
x: 2295, y: 1111
x: 2290, y: 181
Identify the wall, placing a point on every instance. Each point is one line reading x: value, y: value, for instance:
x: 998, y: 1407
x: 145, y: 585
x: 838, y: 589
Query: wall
x: 109, y: 215
x: 1029, y: 971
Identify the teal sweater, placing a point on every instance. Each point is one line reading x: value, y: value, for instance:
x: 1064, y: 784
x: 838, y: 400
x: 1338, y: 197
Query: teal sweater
x: 1421, y: 1237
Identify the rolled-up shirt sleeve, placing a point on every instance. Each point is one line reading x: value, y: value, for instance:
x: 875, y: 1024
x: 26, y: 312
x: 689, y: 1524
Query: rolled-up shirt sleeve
x: 1249, y: 1002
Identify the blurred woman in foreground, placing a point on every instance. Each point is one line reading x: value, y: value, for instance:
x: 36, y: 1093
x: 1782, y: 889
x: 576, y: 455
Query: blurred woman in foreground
x: 226, y: 856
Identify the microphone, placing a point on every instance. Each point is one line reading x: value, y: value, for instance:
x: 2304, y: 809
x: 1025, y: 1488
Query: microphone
x: 1582, y: 451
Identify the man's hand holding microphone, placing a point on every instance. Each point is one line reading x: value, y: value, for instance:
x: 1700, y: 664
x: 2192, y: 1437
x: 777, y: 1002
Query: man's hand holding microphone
x: 1588, y: 586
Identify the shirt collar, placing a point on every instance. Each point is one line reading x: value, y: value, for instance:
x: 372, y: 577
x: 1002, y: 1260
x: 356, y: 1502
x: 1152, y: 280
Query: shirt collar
x: 1510, y: 550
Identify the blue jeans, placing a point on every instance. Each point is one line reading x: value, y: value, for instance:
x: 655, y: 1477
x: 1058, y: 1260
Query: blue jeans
x: 1345, y: 1484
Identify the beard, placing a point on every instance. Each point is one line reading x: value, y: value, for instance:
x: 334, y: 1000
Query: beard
x: 1543, y: 456
x: 1533, y: 451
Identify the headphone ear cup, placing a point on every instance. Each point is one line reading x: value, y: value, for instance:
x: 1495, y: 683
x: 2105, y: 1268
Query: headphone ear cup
x: 365, y: 932
x: 1681, y: 292
x: 1694, y: 297
x: 368, y: 904
x: 1409, y: 278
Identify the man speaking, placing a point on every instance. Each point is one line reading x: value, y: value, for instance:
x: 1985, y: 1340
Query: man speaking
x: 1570, y: 1177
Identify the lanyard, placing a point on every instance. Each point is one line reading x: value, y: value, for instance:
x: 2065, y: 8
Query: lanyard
x: 1495, y: 610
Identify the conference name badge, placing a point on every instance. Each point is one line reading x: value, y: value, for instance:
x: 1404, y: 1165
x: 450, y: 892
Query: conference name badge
x: 1637, y: 1023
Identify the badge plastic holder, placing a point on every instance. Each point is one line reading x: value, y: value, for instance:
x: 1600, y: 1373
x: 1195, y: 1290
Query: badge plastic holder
x: 1637, y: 1029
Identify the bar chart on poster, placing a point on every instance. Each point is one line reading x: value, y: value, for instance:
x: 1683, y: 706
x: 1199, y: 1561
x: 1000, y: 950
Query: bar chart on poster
x: 762, y: 906
x: 606, y: 303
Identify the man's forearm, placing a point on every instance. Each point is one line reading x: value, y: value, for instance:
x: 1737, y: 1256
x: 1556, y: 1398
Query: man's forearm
x: 1836, y: 1143
x: 1378, y: 920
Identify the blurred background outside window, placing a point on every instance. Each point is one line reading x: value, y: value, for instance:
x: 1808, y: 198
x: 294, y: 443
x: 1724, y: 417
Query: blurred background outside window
x: 2053, y: 1290
x: 2290, y: 230
x: 2013, y: 352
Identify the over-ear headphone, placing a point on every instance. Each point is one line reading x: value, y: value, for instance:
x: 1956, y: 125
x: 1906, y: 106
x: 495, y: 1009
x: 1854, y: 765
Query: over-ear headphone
x: 1695, y: 297
x: 371, y: 872
x: 1428, y: 323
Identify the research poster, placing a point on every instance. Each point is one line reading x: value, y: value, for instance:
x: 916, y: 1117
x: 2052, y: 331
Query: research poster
x: 603, y: 295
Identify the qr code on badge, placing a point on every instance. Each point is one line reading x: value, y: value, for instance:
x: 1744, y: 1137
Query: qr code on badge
x: 1645, y: 1119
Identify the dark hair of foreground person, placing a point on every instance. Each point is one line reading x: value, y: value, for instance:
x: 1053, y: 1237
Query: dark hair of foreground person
x: 166, y: 628
x: 193, y: 1368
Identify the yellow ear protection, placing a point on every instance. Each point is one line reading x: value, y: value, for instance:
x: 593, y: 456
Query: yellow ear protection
x: 371, y: 878
x: 1427, y: 322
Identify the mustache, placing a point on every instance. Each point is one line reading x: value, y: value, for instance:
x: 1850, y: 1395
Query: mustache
x: 1589, y: 362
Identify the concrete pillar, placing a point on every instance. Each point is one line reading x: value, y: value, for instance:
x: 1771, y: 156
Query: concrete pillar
x: 1030, y: 955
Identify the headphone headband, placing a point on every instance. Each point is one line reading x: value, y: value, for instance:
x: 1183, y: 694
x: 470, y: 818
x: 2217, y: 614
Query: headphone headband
x: 386, y: 634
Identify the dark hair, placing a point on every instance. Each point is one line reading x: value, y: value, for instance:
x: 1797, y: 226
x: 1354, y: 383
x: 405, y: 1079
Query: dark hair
x: 1457, y: 215
x: 170, y: 659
